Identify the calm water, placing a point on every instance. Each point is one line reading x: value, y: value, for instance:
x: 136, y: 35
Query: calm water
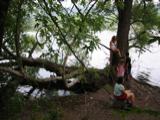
x: 146, y: 65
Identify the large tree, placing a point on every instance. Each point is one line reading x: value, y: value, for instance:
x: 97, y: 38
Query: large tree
x: 124, y: 20
x: 144, y: 30
x: 63, y: 32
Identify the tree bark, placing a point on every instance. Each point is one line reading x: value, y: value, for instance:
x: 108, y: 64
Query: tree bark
x: 4, y: 4
x: 124, y: 17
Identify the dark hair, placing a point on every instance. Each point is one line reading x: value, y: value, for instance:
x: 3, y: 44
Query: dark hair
x: 120, y: 80
x: 113, y: 38
x: 127, y: 53
x: 121, y: 60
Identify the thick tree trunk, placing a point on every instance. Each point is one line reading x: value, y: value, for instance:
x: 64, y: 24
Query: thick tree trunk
x: 3, y: 11
x: 124, y: 17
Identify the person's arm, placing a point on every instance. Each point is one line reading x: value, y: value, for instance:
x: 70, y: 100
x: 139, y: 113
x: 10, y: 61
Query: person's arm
x: 122, y: 89
x: 110, y: 45
x: 117, y: 69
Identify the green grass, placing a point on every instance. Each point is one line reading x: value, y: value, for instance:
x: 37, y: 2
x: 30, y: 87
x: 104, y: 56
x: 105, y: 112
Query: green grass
x: 136, y: 110
x: 39, y: 109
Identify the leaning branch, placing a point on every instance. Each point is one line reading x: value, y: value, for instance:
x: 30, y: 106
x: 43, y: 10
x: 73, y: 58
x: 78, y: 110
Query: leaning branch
x: 58, y: 82
x: 79, y: 11
x: 48, y: 65
x: 105, y: 46
x: 62, y: 35
x: 49, y: 79
x: 36, y: 62
x: 48, y: 83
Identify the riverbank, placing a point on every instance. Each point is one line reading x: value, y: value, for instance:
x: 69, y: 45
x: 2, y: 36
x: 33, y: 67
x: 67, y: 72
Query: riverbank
x: 96, y: 106
x: 88, y: 106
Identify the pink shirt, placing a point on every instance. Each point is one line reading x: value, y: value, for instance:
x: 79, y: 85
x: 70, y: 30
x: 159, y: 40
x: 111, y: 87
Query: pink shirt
x: 120, y: 70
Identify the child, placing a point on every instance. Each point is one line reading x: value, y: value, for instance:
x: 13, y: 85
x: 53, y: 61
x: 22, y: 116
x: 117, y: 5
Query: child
x: 120, y: 69
x: 121, y: 94
x: 113, y: 45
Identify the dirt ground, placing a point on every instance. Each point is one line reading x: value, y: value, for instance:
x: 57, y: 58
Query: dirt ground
x: 97, y: 105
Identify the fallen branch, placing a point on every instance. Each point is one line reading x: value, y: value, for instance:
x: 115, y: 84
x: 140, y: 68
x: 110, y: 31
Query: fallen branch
x: 58, y: 82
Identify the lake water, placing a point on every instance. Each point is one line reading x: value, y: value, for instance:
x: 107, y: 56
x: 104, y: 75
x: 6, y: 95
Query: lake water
x: 146, y: 64
x: 149, y: 63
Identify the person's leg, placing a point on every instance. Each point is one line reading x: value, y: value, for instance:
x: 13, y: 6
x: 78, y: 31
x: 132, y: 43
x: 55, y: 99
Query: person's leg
x: 130, y: 96
x: 127, y: 91
x: 129, y: 74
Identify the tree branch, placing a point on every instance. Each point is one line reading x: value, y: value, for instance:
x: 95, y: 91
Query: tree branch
x: 105, y: 46
x: 58, y: 83
x: 91, y: 8
x: 62, y: 35
x: 79, y: 11
x: 55, y: 82
x: 50, y: 79
x: 32, y: 50
x: 40, y: 63
x: 63, y: 7
x: 8, y: 52
x: 7, y: 64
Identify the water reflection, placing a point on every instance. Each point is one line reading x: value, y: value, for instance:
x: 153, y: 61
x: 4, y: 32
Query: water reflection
x: 37, y: 93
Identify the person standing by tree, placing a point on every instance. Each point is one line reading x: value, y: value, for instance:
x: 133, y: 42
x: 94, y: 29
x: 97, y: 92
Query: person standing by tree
x: 114, y: 58
x: 128, y: 66
x: 115, y: 52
